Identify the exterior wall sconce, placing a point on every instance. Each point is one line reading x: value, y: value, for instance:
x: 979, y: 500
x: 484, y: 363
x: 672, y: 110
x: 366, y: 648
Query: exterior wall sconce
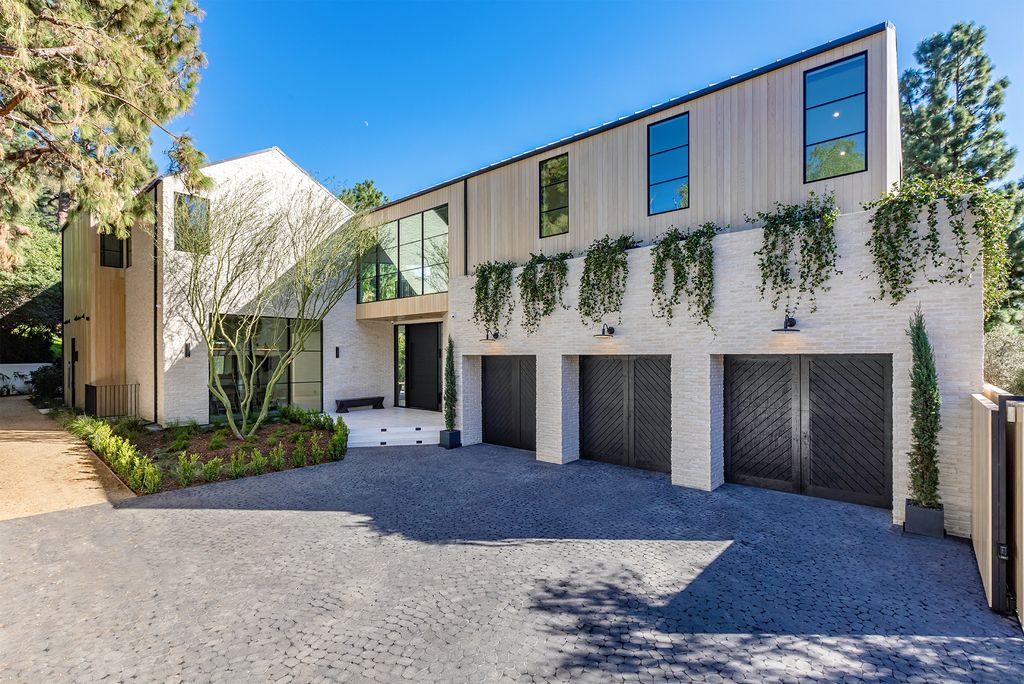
x: 788, y: 325
x: 490, y: 337
x: 337, y: 352
x: 188, y: 350
x: 607, y: 332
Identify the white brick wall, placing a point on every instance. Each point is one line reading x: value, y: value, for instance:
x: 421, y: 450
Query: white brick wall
x: 848, y: 321
x: 365, y: 366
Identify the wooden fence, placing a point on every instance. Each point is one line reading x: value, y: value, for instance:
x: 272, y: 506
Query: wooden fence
x: 997, y: 496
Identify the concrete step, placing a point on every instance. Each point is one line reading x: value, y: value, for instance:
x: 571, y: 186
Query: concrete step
x: 396, y: 436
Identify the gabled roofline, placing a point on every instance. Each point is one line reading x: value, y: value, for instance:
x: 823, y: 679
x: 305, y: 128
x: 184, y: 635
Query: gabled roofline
x: 674, y: 102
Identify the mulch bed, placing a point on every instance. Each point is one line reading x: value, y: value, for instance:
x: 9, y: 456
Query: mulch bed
x: 158, y: 446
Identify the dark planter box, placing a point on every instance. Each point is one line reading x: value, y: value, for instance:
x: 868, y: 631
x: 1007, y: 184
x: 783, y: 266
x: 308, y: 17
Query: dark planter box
x: 927, y: 522
x: 451, y: 439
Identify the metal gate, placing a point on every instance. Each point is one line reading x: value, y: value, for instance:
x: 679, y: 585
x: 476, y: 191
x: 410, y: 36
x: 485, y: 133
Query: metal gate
x: 818, y: 425
x: 510, y: 401
x: 626, y: 410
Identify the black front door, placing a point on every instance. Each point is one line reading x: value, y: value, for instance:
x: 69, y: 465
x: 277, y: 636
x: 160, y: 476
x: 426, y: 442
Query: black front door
x: 422, y: 366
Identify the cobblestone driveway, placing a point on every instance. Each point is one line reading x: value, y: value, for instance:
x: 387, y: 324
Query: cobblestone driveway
x: 483, y: 564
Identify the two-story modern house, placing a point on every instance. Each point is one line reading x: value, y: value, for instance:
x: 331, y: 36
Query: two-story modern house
x: 820, y: 408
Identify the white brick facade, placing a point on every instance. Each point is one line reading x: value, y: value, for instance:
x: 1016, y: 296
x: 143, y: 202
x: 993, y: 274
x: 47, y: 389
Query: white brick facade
x: 848, y: 321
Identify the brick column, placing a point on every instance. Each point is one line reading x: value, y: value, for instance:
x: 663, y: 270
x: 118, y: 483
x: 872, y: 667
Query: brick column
x: 696, y: 421
x: 469, y: 416
x: 558, y: 408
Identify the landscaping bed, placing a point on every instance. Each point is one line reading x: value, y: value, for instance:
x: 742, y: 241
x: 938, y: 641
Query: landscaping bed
x: 188, y: 454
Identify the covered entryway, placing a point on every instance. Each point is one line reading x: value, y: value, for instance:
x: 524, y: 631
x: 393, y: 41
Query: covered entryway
x: 812, y: 424
x: 418, y: 366
x: 626, y: 410
x: 510, y: 401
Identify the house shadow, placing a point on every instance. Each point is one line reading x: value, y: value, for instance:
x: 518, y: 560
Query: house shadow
x: 776, y: 564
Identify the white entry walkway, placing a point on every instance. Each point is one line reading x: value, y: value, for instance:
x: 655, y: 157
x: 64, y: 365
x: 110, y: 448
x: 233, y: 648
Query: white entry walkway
x: 392, y: 426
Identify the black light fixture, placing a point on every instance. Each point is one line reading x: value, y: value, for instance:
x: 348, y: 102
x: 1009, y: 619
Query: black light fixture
x: 188, y: 350
x: 788, y: 325
x: 607, y: 332
x: 490, y: 337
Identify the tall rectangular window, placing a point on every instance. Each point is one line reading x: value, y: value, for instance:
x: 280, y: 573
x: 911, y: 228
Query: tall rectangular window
x: 191, y: 224
x: 114, y: 252
x: 835, y: 119
x: 668, y: 165
x: 554, y: 196
x: 410, y: 258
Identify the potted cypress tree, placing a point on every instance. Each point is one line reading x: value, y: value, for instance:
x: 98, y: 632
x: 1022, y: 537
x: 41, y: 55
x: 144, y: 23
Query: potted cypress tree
x: 450, y: 437
x: 923, y: 513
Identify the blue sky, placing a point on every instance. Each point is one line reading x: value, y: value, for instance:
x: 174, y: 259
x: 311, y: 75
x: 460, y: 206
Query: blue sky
x: 411, y: 94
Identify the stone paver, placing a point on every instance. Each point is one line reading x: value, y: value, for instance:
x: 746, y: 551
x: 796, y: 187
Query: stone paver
x: 482, y: 564
x: 43, y: 468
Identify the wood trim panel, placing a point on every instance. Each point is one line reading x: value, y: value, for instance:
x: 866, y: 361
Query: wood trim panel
x: 425, y: 306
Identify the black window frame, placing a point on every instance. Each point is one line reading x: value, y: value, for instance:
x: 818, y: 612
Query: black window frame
x: 376, y: 277
x: 540, y: 196
x: 671, y: 149
x: 179, y: 199
x: 804, y: 145
x: 123, y: 251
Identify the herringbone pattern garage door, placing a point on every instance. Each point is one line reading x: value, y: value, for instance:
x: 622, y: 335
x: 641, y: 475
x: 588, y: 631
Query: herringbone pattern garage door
x: 510, y: 401
x: 818, y: 425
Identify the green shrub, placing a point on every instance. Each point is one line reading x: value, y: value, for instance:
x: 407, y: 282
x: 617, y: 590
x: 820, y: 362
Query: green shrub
x: 299, y: 435
x: 307, y: 417
x: 150, y: 478
x: 299, y: 452
x: 316, y: 452
x: 236, y: 465
x: 1004, y: 357
x: 257, y: 462
x: 276, y: 436
x: 211, y: 469
x: 48, y: 381
x: 128, y: 427
x: 187, y: 466
x: 924, y: 413
x: 338, y: 446
x: 138, y: 471
x: 217, y: 442
x: 276, y: 457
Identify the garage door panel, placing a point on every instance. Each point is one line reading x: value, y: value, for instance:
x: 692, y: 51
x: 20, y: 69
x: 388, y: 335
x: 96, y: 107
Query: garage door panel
x: 509, y: 401
x: 848, y: 431
x: 603, y: 408
x: 761, y: 425
x: 652, y: 413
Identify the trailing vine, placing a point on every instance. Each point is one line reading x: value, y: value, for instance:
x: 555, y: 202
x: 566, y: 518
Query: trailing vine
x: 692, y: 257
x: 541, y: 284
x: 605, y: 270
x: 492, y: 292
x: 809, y: 229
x: 901, y: 245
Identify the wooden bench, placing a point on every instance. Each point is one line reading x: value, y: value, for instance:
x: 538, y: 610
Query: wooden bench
x: 343, y: 405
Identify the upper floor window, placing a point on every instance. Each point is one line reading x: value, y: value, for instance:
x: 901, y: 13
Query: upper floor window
x: 410, y: 259
x: 554, y: 196
x: 191, y: 224
x: 114, y: 252
x: 668, y: 165
x: 835, y: 119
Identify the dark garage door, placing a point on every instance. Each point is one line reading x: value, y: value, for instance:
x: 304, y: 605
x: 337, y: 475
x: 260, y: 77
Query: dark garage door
x: 818, y: 425
x: 510, y: 401
x: 626, y: 410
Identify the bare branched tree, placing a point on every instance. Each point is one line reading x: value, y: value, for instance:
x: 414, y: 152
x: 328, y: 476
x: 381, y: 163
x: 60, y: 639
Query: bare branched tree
x: 251, y: 263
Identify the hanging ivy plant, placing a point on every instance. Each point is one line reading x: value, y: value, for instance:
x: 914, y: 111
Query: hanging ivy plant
x: 809, y: 229
x: 692, y: 257
x: 605, y: 270
x: 493, y: 303
x: 541, y: 284
x: 901, y: 246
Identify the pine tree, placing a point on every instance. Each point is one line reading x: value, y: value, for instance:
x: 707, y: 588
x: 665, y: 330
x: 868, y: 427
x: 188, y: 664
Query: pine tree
x: 451, y: 392
x: 951, y: 109
x: 924, y: 412
x: 81, y: 84
x: 363, y: 196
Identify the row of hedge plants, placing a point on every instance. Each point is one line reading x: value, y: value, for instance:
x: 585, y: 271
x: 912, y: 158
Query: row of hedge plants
x: 135, y: 470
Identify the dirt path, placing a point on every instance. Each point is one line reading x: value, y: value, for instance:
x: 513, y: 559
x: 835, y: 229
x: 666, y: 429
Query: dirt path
x: 44, y: 469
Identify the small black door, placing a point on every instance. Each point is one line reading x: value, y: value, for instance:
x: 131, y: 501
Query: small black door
x: 510, y: 401
x: 423, y: 366
x: 626, y: 410
x: 813, y: 424
x: 73, y: 364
